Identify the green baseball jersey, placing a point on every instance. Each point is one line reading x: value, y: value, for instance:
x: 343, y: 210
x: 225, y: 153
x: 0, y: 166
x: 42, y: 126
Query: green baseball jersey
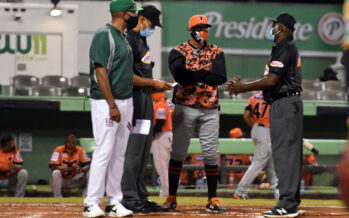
x: 110, y: 49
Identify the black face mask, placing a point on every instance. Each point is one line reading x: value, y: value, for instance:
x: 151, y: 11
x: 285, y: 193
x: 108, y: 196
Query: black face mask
x: 132, y: 22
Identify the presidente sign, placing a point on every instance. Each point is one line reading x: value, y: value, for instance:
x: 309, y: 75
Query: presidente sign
x: 251, y: 29
x: 246, y: 26
x: 29, y: 53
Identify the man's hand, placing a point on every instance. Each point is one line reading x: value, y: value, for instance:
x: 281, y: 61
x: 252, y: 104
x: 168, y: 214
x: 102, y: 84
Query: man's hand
x: 75, y: 168
x: 11, y: 165
x: 161, y: 85
x: 115, y: 114
x: 234, y: 86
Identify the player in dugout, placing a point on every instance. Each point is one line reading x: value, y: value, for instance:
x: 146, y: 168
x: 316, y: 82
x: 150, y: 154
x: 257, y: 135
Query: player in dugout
x: 11, y: 166
x: 70, y: 167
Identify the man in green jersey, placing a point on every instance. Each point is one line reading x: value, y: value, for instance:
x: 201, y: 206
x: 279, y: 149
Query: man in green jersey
x: 111, y: 70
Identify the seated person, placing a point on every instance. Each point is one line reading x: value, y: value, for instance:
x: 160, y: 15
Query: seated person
x: 11, y: 166
x: 329, y: 74
x: 70, y: 167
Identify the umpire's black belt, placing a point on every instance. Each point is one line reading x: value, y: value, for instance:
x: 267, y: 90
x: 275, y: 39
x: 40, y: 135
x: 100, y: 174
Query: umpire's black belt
x: 286, y: 94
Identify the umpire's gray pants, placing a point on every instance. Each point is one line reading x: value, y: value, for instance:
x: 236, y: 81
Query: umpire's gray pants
x: 138, y: 151
x: 18, y: 179
x: 262, y: 159
x: 286, y: 128
x: 185, y: 120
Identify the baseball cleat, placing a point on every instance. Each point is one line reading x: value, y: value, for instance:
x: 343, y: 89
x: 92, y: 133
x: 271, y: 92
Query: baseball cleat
x: 117, y: 210
x: 92, y: 211
x: 170, y: 204
x: 281, y: 212
x: 213, y: 205
x: 241, y: 197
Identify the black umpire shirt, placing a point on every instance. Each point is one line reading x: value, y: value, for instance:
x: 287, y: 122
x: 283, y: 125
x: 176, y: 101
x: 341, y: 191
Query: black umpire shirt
x: 142, y: 67
x: 141, y: 54
x: 285, y: 62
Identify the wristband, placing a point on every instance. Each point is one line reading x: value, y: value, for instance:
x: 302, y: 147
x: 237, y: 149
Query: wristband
x: 111, y: 108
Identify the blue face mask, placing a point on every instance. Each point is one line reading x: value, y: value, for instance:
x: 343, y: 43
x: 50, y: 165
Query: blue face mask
x: 271, y: 36
x: 147, y: 32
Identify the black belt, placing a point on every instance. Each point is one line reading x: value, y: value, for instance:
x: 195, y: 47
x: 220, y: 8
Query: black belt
x: 262, y: 125
x: 286, y: 94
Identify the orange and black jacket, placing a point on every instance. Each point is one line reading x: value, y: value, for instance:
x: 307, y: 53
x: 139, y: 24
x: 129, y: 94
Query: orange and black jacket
x: 199, y: 72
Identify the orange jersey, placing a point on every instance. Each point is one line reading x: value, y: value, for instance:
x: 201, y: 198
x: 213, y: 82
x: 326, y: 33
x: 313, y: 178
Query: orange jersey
x: 259, y: 109
x: 199, y: 95
x: 60, y: 157
x: 163, y: 112
x: 14, y: 157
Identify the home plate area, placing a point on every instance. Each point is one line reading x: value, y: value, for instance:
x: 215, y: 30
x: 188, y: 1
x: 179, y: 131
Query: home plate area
x: 34, y: 210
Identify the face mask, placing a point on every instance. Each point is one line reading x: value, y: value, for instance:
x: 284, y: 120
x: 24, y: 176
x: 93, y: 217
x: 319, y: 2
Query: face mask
x: 147, y: 32
x: 132, y: 22
x: 271, y: 35
x: 199, y: 36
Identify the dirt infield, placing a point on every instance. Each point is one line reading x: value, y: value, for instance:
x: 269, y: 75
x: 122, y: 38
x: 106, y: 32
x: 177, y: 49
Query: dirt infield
x: 35, y: 210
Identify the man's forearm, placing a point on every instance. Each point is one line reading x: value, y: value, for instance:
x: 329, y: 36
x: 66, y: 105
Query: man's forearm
x: 260, y: 84
x: 104, y: 86
x: 141, y: 81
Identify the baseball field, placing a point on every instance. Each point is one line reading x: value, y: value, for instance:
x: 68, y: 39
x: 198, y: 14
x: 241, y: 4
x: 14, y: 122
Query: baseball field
x: 187, y: 207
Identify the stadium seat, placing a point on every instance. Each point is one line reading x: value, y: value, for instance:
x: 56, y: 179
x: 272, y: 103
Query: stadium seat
x: 310, y: 95
x: 54, y: 81
x: 312, y: 85
x: 48, y: 91
x: 332, y: 95
x: 333, y: 85
x: 80, y: 81
x: 25, y: 84
x: 74, y: 91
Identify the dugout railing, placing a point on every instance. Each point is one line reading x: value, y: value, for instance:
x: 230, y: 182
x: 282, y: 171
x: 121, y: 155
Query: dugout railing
x: 326, y: 147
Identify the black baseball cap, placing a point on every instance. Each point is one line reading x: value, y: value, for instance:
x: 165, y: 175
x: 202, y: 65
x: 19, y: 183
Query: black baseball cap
x: 287, y: 20
x: 152, y: 14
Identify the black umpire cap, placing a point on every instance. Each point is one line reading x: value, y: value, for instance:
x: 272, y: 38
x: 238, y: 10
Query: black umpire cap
x: 285, y: 19
x: 152, y: 14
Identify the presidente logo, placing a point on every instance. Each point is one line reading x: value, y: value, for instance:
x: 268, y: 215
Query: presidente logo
x: 331, y: 28
x: 23, y: 44
x: 253, y: 28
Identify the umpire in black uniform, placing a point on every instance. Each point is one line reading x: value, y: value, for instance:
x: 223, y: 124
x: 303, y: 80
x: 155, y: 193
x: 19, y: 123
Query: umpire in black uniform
x: 135, y: 194
x: 281, y: 87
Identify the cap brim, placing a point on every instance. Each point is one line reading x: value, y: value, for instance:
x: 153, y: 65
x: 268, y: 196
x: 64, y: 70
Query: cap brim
x: 135, y: 9
x: 155, y: 22
x: 201, y: 24
x: 273, y: 20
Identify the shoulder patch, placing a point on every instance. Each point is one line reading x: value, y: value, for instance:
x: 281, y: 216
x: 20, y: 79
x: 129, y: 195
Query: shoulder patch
x: 146, y: 58
x: 276, y: 64
x: 160, y: 114
x: 299, y: 62
x: 266, y: 70
x: 54, y: 156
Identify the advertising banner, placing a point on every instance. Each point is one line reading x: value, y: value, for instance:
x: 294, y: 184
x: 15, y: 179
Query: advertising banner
x: 28, y: 53
x: 237, y: 27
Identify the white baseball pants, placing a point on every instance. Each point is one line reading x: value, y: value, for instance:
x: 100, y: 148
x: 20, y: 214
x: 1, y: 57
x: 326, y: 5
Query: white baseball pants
x: 108, y: 159
x: 162, y: 145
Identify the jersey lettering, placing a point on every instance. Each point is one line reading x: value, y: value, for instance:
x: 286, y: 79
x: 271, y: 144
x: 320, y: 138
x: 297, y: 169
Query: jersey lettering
x: 260, y: 109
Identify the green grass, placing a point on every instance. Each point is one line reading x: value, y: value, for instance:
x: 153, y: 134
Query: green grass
x: 180, y: 200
